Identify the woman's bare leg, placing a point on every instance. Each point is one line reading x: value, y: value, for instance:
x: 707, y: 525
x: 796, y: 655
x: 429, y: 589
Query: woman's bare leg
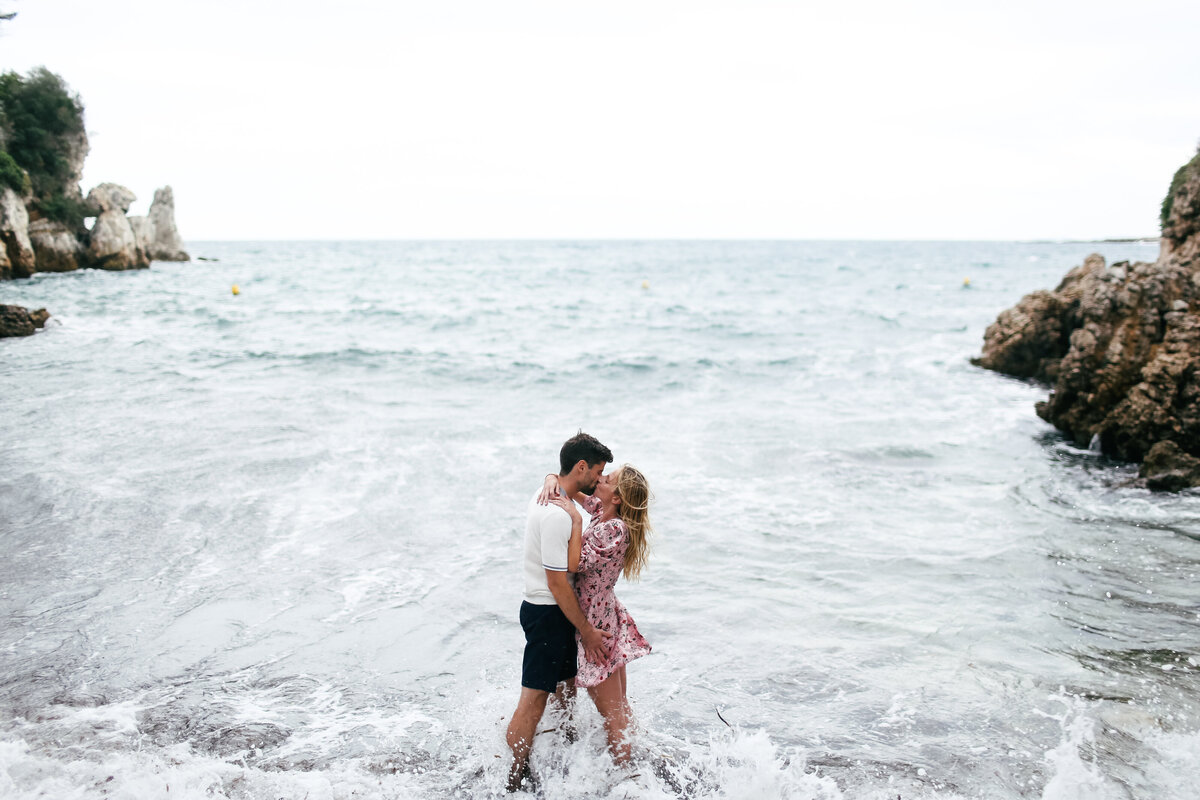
x: 625, y: 700
x: 610, y: 701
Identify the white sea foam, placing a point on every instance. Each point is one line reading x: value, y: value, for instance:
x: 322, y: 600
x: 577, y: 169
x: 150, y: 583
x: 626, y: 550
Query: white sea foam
x: 1178, y: 760
x: 1074, y: 776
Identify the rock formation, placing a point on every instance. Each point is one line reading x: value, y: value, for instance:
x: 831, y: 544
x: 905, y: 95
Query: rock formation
x: 75, y: 153
x: 42, y: 230
x: 1181, y: 215
x: 112, y: 243
x: 17, y: 258
x: 1120, y: 345
x: 143, y: 236
x: 166, y: 244
x: 20, y: 321
x: 109, y: 197
x: 155, y: 233
x: 1168, y: 468
x: 57, y: 247
x: 43, y: 214
x: 115, y: 241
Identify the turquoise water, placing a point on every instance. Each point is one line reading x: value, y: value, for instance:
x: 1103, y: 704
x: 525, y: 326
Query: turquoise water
x: 268, y: 544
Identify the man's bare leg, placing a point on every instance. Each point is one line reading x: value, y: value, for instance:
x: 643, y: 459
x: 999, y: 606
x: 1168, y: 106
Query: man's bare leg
x: 564, y: 701
x: 521, y: 728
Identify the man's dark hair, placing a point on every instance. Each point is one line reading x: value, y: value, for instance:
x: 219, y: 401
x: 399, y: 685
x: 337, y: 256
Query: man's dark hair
x: 583, y: 447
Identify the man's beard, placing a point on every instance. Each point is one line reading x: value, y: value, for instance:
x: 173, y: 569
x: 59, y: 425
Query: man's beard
x: 588, y: 490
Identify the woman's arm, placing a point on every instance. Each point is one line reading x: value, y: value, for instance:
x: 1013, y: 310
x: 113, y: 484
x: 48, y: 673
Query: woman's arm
x: 575, y: 545
x: 551, y: 487
x: 605, y: 543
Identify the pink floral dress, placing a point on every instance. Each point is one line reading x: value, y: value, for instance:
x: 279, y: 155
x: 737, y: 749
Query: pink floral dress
x: 600, y: 563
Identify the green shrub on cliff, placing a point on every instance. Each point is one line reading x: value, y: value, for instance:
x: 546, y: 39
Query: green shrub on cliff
x: 1181, y: 176
x: 64, y: 209
x: 42, y: 126
x: 12, y: 175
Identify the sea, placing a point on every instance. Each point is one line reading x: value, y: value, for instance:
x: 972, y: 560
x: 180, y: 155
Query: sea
x: 266, y: 543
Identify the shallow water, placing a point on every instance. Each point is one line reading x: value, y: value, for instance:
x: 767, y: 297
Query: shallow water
x: 268, y: 545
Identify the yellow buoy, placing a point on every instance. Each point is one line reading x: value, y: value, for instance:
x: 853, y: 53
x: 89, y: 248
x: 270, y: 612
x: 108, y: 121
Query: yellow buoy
x: 236, y: 290
x: 645, y: 284
x: 966, y: 283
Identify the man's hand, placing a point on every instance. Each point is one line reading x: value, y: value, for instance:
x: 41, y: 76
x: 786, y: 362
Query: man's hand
x: 595, y: 644
x: 595, y: 641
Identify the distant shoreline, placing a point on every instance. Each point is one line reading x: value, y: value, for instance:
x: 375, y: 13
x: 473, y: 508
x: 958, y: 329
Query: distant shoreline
x: 1132, y: 240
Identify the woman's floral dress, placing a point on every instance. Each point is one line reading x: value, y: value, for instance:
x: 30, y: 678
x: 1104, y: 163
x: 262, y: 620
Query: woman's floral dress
x: 601, y: 561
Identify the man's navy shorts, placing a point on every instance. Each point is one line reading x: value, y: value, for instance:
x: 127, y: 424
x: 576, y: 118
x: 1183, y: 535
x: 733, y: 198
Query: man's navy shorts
x: 549, y: 647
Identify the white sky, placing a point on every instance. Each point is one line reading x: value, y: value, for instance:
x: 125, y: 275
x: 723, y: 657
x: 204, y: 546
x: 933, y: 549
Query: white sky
x: 518, y: 119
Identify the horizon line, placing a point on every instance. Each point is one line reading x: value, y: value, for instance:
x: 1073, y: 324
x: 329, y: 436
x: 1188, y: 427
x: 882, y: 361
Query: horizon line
x: 1041, y: 240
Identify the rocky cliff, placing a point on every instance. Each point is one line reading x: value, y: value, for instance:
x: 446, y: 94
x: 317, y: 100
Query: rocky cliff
x: 1120, y: 346
x: 17, y: 258
x: 115, y: 241
x: 73, y: 150
x: 43, y: 214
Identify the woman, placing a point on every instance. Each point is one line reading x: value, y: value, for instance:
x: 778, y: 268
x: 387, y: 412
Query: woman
x: 615, y: 542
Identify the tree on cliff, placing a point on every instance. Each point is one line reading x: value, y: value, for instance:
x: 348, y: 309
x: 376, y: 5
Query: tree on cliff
x: 41, y: 131
x: 1179, y: 223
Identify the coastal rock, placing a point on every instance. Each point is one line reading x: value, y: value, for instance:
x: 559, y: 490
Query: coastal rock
x: 55, y: 246
x: 15, y: 321
x: 109, y: 197
x: 166, y: 244
x: 113, y: 245
x: 1168, y: 468
x: 1121, y: 348
x: 1122, y: 358
x: 1181, y: 214
x: 39, y: 317
x: 17, y: 258
x: 143, y: 236
x: 75, y: 153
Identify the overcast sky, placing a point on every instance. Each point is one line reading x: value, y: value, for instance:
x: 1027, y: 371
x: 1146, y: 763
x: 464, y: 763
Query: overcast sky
x: 518, y: 119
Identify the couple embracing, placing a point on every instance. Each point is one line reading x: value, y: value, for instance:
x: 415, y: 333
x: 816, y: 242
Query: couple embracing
x: 576, y: 631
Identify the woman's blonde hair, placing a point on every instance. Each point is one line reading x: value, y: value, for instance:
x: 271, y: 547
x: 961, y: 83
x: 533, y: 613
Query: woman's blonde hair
x: 634, y: 511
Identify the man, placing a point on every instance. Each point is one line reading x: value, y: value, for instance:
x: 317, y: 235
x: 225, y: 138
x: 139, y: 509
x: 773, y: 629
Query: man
x: 550, y: 613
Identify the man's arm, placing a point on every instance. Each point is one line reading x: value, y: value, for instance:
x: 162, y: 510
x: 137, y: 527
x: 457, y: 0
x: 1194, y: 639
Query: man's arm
x: 595, y: 644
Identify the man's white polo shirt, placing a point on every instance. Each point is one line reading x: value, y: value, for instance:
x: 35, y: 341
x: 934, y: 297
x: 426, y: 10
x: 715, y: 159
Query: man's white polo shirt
x: 547, y: 534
